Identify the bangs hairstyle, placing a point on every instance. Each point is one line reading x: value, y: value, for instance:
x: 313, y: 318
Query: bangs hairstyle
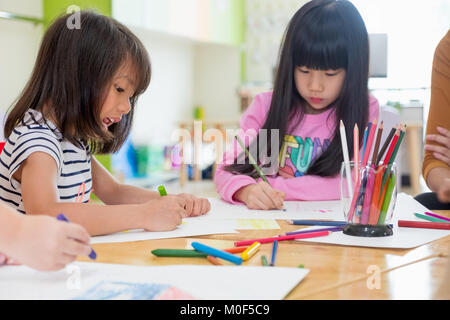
x: 322, y: 35
x: 73, y: 73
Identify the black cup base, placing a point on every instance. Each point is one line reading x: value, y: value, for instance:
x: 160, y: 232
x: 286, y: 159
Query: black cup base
x: 367, y: 230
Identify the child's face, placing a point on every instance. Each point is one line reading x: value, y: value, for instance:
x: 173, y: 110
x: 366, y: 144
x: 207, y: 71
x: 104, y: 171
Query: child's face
x: 319, y: 88
x: 117, y: 102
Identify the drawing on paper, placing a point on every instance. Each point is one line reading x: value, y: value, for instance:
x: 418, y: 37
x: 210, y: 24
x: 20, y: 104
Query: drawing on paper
x: 117, y: 290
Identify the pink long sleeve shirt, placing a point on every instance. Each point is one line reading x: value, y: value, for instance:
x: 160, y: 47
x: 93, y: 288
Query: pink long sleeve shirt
x: 314, y: 134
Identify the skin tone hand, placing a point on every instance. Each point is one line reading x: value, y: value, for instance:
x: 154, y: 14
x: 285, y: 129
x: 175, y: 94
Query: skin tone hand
x: 441, y: 151
x: 46, y: 244
x: 260, y: 196
x: 439, y: 178
x: 195, y: 206
x: 163, y: 214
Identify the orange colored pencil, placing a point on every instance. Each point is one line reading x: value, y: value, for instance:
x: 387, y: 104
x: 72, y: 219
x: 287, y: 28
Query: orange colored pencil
x: 236, y: 250
x: 214, y: 261
x: 375, y: 195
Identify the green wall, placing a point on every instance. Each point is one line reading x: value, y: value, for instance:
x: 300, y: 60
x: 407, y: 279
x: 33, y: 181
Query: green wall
x: 54, y: 8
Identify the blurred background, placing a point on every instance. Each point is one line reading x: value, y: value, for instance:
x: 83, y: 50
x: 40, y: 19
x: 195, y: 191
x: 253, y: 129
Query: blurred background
x: 211, y: 57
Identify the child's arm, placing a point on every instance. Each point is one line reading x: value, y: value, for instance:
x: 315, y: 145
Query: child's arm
x: 41, y: 242
x: 112, y: 192
x: 40, y: 196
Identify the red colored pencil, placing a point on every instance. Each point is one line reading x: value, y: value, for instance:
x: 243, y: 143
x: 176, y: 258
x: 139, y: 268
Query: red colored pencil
x: 371, y: 134
x: 283, y: 238
x: 426, y: 225
x: 391, y: 147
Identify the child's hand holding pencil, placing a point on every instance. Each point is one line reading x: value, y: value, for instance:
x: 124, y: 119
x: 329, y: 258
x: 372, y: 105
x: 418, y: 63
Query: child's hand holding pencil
x: 260, y: 196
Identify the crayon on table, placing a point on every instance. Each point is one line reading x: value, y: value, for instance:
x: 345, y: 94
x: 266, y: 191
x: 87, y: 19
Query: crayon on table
x: 264, y: 261
x: 214, y: 260
x: 236, y: 249
x: 250, y: 251
x: 317, y: 223
x: 62, y: 217
x: 284, y: 238
x: 274, y: 253
x: 429, y: 218
x: 162, y: 191
x: 437, y: 216
x: 216, y: 253
x: 333, y: 229
x: 425, y: 225
x: 185, y: 253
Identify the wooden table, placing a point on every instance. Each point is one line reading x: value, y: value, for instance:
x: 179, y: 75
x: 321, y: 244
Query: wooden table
x: 336, y: 272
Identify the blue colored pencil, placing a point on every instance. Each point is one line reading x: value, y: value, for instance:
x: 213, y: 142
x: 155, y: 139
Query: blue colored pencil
x: 274, y: 253
x: 216, y: 253
x: 317, y: 223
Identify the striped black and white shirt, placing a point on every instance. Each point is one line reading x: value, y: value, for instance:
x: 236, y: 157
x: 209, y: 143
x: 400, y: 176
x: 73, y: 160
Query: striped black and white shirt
x: 38, y: 135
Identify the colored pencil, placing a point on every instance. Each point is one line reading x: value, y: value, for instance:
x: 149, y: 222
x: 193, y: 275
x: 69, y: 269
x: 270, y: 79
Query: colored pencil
x: 387, y: 199
x: 283, y: 238
x: 368, y: 196
x: 373, y: 213
x: 216, y: 253
x: 377, y: 144
x: 353, y: 204
x: 317, y: 223
x: 274, y: 253
x: 346, y: 157
x: 436, y: 216
x: 356, y: 152
x: 371, y: 134
x: 366, y: 133
x: 391, y: 147
x: 81, y: 190
x: 386, y: 144
x: 62, y: 217
x: 236, y: 250
x: 425, y: 225
x: 432, y: 219
x: 252, y: 160
x: 186, y: 253
x: 214, y: 260
x: 332, y: 229
x: 250, y: 251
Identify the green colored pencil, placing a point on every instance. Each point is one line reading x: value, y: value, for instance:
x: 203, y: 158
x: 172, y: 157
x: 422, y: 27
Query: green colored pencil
x: 179, y: 253
x: 432, y: 219
x: 252, y: 160
x: 387, y: 199
x: 162, y: 191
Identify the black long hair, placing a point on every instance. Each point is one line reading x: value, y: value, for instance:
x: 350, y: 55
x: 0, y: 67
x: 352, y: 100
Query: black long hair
x: 322, y: 35
x: 72, y: 74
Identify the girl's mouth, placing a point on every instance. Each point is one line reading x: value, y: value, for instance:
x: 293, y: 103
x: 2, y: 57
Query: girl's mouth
x: 316, y: 100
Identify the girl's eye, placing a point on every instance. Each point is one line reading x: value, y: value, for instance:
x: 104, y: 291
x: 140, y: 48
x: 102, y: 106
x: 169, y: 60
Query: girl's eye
x: 303, y: 71
x: 119, y: 89
x: 331, y: 74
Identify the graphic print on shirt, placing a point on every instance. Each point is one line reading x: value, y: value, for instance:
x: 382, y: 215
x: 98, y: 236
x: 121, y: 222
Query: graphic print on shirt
x: 297, y: 154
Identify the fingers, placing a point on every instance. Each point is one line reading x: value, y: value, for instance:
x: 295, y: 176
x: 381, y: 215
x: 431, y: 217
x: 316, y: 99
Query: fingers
x: 77, y: 232
x: 75, y: 248
x: 276, y: 197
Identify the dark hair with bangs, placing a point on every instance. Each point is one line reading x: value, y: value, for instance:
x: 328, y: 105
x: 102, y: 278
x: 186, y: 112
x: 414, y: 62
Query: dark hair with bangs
x: 322, y: 35
x: 73, y: 72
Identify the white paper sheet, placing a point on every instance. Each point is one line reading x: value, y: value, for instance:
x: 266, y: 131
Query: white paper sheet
x: 98, y: 281
x: 403, y: 238
x: 194, y: 226
x: 326, y: 210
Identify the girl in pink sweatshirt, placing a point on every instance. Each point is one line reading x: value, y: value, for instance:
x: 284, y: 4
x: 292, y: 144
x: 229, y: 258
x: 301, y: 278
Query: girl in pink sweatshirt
x: 293, y: 131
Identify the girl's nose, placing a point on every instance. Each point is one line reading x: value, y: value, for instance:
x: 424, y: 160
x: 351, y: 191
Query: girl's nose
x: 315, y: 83
x: 125, y: 107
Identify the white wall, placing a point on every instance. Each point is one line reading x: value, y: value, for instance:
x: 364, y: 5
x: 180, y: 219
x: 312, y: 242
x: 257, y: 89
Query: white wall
x: 169, y: 98
x: 217, y: 78
x: 19, y: 42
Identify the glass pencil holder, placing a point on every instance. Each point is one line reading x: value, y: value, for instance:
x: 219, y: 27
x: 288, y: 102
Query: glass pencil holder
x: 368, y: 197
